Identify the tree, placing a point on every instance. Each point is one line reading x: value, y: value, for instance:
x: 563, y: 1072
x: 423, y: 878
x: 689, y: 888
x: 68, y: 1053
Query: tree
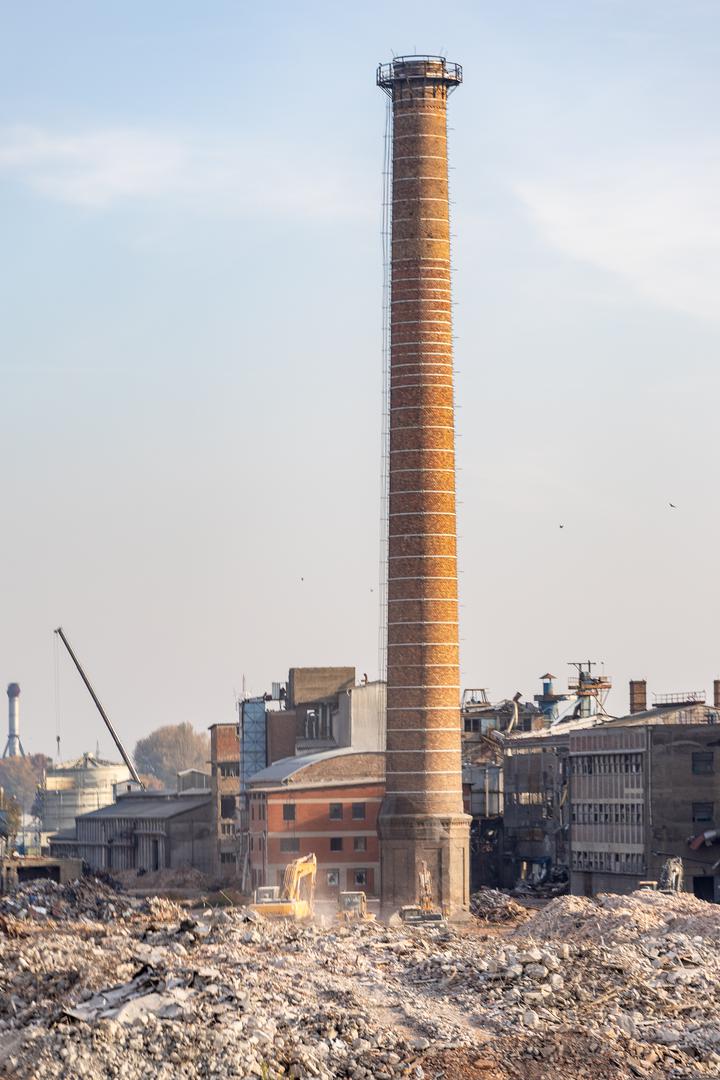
x: 20, y: 776
x: 169, y: 750
x: 10, y: 820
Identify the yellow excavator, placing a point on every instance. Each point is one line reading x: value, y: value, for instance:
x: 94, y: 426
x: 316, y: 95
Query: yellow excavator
x: 352, y: 907
x: 296, y: 900
x: 425, y: 910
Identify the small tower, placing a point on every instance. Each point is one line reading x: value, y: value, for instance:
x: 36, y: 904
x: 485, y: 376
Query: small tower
x: 549, y: 700
x: 13, y: 746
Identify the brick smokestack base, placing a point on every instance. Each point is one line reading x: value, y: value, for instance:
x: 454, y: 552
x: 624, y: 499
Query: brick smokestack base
x: 422, y: 815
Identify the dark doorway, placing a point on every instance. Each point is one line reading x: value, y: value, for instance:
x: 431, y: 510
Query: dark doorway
x: 704, y: 888
x: 32, y: 873
x: 155, y: 855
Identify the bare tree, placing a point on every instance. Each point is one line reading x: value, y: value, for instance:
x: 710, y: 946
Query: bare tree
x: 169, y: 750
x: 20, y: 776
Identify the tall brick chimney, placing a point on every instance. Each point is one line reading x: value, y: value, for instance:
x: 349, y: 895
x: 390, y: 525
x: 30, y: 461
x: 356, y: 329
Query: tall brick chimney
x: 422, y: 816
x: 638, y: 695
x: 716, y: 693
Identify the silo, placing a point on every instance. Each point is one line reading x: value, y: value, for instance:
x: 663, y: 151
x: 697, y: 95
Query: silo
x: 77, y: 787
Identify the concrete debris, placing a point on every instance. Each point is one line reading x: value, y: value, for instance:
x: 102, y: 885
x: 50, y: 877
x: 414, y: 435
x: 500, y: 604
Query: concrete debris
x: 88, y: 898
x: 495, y: 906
x: 614, y: 989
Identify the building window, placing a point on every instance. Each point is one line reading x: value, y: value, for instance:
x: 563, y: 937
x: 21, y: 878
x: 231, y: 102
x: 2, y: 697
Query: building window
x: 358, y: 811
x: 290, y: 844
x: 288, y: 811
x: 227, y: 857
x: 360, y: 843
x: 702, y: 762
x: 336, y: 843
x: 252, y: 845
x: 333, y: 879
x: 229, y: 768
x: 703, y: 812
x: 335, y: 811
x: 361, y: 878
x: 227, y: 806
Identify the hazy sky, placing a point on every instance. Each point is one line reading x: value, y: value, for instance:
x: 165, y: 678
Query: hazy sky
x: 190, y: 347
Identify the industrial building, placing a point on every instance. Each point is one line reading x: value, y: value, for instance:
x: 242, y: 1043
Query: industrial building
x: 422, y: 818
x: 72, y: 788
x: 318, y: 709
x: 642, y: 790
x: 326, y: 803
x: 143, y: 831
x: 606, y: 800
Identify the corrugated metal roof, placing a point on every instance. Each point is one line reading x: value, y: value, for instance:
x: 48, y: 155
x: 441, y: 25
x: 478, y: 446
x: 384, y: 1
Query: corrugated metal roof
x: 153, y: 807
x: 650, y: 717
x: 280, y: 772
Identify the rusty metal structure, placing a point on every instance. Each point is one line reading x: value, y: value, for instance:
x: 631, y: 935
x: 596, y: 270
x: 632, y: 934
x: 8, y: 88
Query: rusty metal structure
x: 422, y: 817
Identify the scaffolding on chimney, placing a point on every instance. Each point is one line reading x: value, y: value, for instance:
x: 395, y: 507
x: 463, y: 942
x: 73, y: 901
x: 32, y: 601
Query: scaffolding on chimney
x: 386, y: 237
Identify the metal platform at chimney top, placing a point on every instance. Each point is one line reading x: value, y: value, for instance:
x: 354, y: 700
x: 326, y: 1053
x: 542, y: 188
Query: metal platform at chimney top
x: 420, y: 68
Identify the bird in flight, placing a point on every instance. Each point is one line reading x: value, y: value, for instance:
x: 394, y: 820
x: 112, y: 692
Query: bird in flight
x: 562, y: 526
x: 672, y: 506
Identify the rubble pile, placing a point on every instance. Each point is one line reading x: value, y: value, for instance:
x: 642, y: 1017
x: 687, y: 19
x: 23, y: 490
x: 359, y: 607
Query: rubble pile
x: 614, y: 989
x: 494, y: 906
x: 89, y: 899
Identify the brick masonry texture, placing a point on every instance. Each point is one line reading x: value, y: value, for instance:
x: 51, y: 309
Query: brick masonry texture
x: 423, y: 771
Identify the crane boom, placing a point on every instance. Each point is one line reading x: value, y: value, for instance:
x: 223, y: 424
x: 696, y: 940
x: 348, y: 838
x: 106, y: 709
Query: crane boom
x: 93, y: 695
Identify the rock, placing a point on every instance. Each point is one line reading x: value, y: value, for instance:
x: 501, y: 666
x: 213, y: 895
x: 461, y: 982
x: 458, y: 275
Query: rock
x: 531, y: 1019
x: 419, y: 1044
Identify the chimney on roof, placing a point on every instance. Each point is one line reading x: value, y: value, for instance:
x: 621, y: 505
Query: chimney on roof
x: 638, y: 695
x: 716, y: 693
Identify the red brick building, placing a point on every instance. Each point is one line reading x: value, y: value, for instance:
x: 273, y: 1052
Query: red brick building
x: 325, y: 803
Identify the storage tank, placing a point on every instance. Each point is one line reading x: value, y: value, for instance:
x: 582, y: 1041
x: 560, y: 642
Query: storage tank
x: 77, y: 787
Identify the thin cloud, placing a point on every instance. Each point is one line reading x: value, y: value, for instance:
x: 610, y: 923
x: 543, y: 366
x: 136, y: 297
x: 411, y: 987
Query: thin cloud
x: 654, y: 222
x: 107, y: 168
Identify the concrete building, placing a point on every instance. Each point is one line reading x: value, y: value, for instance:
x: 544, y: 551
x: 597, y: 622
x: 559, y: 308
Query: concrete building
x: 326, y: 803
x: 607, y: 800
x: 143, y: 830
x: 422, y: 817
x: 76, y: 787
x: 641, y: 790
x: 16, y: 871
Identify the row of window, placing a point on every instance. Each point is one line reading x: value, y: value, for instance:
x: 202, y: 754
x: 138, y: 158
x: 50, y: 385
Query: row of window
x: 591, y: 813
x: 703, y: 763
x: 525, y: 798
x: 335, y: 811
x: 605, y: 764
x: 360, y: 879
x: 612, y: 862
x: 291, y: 844
x: 227, y: 768
x: 587, y: 813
